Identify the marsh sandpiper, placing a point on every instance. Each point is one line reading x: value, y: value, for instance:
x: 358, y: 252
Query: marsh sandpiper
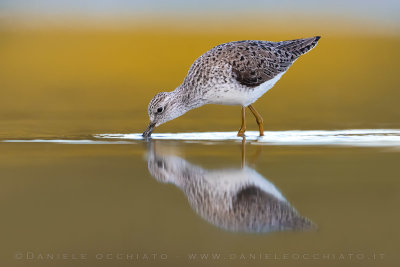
x: 235, y: 73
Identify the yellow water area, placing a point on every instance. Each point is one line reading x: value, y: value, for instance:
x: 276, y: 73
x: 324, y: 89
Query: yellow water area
x: 117, y: 204
x: 66, y: 80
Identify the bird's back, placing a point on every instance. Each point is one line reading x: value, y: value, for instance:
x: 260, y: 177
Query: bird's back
x: 255, y: 62
x: 229, y: 72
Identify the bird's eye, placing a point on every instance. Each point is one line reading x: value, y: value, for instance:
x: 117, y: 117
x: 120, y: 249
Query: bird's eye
x: 160, y: 109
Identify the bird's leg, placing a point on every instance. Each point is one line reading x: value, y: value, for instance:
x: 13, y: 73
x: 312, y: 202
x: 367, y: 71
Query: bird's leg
x: 243, y: 127
x: 259, y: 119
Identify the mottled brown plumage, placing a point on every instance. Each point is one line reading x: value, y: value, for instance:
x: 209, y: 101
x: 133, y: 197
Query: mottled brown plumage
x: 235, y: 73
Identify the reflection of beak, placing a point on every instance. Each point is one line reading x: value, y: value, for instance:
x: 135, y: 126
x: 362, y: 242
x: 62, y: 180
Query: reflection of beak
x: 149, y: 130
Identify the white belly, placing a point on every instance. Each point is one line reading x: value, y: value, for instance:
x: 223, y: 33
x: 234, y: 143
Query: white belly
x: 230, y: 95
x: 258, y: 91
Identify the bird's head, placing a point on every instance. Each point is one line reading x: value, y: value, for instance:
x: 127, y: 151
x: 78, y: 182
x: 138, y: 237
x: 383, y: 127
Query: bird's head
x: 164, y: 106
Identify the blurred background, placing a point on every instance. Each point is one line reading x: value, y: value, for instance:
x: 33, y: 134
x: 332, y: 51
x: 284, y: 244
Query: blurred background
x: 71, y: 68
x: 82, y: 67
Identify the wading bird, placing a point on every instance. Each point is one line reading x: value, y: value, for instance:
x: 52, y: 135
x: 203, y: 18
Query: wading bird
x: 235, y: 73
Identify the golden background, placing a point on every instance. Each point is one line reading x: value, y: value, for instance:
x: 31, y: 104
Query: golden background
x: 71, y: 76
x: 82, y: 78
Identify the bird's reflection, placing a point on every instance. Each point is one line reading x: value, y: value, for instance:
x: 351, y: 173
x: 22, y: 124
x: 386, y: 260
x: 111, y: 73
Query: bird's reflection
x: 239, y: 200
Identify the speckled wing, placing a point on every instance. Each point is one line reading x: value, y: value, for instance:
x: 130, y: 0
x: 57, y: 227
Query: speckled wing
x: 255, y: 62
x: 259, y: 211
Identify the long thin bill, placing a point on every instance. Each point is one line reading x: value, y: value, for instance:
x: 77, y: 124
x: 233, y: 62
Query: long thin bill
x: 149, y: 130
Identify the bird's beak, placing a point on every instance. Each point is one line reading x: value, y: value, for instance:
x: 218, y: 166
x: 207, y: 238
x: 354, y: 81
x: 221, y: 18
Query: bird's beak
x: 149, y: 130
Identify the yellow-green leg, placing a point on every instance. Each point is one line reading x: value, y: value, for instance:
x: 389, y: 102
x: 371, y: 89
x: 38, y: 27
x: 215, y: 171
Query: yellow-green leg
x: 243, y: 127
x: 259, y: 119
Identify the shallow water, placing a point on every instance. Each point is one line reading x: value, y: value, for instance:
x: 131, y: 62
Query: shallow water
x: 76, y: 177
x: 202, y: 197
x: 357, y: 137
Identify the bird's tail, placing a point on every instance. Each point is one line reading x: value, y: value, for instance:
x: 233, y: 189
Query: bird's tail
x: 298, y: 47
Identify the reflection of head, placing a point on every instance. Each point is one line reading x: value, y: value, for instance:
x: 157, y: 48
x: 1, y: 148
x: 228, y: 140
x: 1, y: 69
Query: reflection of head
x: 233, y: 199
x: 168, y: 168
x: 158, y: 168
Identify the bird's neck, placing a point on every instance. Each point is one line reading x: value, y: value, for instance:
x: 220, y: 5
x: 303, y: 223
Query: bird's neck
x: 188, y: 97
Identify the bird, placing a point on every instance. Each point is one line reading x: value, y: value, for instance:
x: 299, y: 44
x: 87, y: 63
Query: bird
x: 233, y: 73
x: 233, y: 199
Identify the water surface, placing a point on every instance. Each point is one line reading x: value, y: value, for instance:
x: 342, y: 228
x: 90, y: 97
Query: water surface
x: 183, y: 198
x: 76, y: 177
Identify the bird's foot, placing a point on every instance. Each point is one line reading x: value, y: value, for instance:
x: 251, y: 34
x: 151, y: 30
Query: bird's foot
x: 241, y: 132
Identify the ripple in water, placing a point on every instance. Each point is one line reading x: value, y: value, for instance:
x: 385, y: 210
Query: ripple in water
x: 359, y: 137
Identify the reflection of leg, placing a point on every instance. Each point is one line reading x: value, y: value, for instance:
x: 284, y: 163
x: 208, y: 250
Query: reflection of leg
x: 243, y: 151
x: 256, y: 155
x: 243, y: 127
x: 259, y: 119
